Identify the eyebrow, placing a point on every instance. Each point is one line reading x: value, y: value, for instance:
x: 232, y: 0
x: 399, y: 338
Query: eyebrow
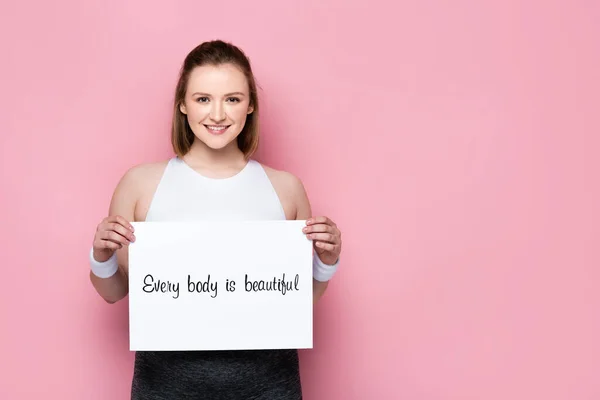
x: 228, y: 94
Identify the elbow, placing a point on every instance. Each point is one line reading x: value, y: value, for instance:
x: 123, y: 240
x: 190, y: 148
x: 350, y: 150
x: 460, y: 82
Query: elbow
x: 112, y: 299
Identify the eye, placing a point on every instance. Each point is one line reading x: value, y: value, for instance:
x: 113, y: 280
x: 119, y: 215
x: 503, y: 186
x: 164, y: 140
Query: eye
x: 202, y: 99
x: 233, y: 100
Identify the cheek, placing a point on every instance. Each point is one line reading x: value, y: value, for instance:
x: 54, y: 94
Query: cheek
x: 239, y: 114
x: 197, y: 111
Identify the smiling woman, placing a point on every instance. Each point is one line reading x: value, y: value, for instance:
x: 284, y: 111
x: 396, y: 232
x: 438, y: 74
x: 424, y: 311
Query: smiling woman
x: 216, y: 95
x: 212, y: 177
x: 218, y: 104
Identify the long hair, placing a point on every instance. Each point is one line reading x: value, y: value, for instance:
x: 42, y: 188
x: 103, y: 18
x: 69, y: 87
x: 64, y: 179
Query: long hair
x: 216, y: 52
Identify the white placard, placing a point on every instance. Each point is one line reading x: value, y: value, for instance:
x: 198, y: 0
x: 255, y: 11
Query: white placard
x: 220, y: 286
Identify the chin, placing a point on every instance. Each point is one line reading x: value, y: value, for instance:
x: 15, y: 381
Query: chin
x: 216, y: 142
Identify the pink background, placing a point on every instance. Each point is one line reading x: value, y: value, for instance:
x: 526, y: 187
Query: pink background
x: 453, y: 142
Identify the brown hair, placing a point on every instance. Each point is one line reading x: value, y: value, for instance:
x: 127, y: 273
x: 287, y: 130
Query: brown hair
x: 215, y: 53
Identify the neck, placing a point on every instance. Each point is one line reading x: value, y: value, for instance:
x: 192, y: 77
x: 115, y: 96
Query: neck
x: 203, y: 157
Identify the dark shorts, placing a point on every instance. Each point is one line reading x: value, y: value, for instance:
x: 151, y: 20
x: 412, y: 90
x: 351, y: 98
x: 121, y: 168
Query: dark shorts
x: 217, y: 375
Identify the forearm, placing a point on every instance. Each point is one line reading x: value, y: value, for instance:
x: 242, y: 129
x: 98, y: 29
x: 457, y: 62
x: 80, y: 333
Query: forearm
x: 318, y: 289
x: 111, y: 289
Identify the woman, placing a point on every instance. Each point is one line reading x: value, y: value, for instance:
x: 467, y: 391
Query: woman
x: 212, y: 176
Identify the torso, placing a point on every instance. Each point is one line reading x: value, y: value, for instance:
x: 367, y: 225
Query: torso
x: 149, y: 176
x: 169, y: 190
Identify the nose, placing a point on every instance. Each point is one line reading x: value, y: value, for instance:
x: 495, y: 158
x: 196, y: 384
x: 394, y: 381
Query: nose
x: 217, y: 112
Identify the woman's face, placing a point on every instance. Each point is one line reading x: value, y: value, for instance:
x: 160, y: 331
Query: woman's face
x: 216, y: 103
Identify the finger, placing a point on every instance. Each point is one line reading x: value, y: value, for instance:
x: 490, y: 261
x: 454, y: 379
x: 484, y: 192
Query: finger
x: 107, y: 244
x: 326, y: 246
x: 111, y: 219
x: 114, y: 237
x: 321, y: 228
x: 320, y: 220
x: 120, y: 220
x: 323, y: 237
x: 120, y: 229
x: 125, y: 223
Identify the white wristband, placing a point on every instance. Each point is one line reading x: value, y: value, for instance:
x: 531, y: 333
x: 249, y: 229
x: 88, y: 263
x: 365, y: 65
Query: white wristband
x: 321, y: 271
x: 104, y: 269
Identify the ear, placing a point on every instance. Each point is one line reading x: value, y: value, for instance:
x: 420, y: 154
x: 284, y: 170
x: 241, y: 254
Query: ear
x: 250, y: 109
x: 182, y: 108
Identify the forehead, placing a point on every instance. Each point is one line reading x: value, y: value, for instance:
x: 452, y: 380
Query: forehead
x: 224, y: 78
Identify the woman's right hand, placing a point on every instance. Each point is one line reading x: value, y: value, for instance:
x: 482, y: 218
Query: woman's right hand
x: 112, y: 233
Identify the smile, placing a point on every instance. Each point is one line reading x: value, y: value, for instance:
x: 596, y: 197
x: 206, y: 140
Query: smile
x: 217, y: 129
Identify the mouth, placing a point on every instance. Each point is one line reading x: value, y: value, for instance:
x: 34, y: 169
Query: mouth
x: 217, y: 129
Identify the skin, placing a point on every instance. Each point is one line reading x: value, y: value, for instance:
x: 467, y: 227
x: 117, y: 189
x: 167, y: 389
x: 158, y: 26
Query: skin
x: 215, y: 96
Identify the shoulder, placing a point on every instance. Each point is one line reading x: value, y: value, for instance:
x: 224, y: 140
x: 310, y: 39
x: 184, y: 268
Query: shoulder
x: 285, y: 181
x: 135, y: 186
x: 291, y: 192
x: 136, y: 180
x: 140, y: 175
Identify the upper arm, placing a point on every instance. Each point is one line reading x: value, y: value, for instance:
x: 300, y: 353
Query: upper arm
x: 123, y: 203
x: 303, y: 208
x: 291, y: 193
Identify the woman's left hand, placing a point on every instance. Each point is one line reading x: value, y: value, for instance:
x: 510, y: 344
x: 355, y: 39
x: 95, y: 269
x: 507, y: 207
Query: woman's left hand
x: 326, y: 237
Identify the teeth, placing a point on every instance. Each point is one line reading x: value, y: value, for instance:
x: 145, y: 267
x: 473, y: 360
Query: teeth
x: 216, y: 128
